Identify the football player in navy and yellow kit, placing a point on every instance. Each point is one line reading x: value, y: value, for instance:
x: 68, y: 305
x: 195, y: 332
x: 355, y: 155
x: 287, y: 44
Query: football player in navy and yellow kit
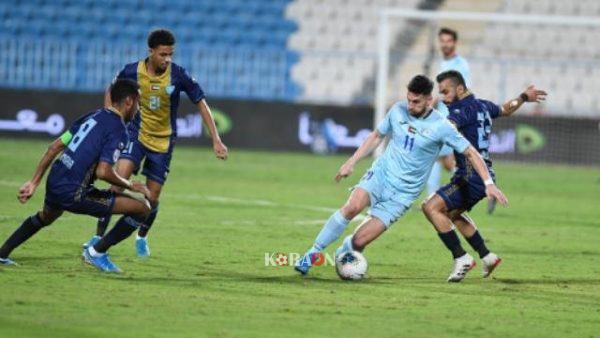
x: 154, y: 130
x: 87, y: 151
x: 447, y: 208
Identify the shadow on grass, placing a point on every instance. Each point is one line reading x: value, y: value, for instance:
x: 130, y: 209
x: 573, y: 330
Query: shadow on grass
x: 549, y: 281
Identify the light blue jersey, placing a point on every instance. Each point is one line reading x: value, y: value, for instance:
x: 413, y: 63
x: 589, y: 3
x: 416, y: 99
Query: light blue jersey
x: 459, y: 64
x: 396, y: 179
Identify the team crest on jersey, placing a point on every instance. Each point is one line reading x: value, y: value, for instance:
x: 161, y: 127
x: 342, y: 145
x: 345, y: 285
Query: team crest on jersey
x: 412, y: 129
x: 170, y: 89
x: 155, y: 87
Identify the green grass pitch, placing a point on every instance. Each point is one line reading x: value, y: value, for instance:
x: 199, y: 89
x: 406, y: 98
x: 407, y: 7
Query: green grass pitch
x: 207, y: 273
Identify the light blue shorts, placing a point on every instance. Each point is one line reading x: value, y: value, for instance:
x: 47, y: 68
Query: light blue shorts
x: 385, y: 199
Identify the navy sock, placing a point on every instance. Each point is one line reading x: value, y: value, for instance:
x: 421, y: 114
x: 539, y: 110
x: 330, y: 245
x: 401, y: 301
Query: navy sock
x: 147, y: 224
x: 452, y: 242
x: 28, y: 228
x: 477, y: 243
x: 124, y: 227
x: 103, y: 223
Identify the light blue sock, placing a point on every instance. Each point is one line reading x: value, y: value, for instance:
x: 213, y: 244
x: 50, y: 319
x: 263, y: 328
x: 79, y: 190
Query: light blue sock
x: 346, y: 246
x: 332, y: 230
x: 433, y: 183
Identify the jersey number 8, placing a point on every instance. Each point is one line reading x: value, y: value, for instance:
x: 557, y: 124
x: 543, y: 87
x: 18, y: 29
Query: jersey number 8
x: 83, y: 131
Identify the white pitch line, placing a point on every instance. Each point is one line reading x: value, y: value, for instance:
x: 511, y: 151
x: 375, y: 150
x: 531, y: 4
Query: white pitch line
x: 12, y: 184
x: 260, y: 203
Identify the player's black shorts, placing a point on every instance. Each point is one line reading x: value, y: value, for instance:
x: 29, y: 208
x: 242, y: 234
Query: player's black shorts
x: 463, y: 192
x: 87, y: 201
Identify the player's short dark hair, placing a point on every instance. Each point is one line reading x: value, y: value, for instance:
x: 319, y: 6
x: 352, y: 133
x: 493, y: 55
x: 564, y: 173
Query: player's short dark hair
x: 161, y: 37
x: 420, y: 84
x: 455, y: 76
x: 448, y: 31
x: 122, y: 89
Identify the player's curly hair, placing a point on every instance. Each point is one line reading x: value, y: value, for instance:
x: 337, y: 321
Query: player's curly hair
x: 420, y: 84
x: 161, y: 37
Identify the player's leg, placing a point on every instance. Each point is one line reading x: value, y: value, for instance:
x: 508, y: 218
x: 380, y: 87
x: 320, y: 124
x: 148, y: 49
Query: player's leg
x: 468, y: 229
x: 383, y: 213
x: 28, y: 228
x: 334, y: 227
x: 134, y: 212
x: 436, y: 209
x: 369, y: 230
x: 156, y: 170
x: 125, y: 168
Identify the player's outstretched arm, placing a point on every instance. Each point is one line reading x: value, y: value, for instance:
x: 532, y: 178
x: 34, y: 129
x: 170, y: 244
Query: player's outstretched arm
x: 491, y: 190
x: 219, y: 148
x: 531, y: 94
x: 369, y: 144
x: 28, y: 189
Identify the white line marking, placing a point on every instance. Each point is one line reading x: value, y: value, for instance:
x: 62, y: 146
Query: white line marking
x: 261, y: 203
x: 13, y: 184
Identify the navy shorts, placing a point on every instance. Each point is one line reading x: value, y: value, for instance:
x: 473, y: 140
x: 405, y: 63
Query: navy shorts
x: 156, y: 165
x: 463, y: 192
x: 87, y: 201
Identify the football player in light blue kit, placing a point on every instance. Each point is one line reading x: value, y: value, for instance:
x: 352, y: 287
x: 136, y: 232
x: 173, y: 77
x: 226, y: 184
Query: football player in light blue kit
x: 417, y: 133
x: 447, y: 39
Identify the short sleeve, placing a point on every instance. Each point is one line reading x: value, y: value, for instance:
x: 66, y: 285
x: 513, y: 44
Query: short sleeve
x: 492, y: 108
x: 459, y: 119
x: 113, y: 143
x: 191, y: 87
x: 452, y: 137
x: 385, y: 126
x: 75, y: 126
x: 120, y: 74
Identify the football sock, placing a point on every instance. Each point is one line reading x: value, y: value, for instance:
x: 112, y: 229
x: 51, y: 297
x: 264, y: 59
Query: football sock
x: 478, y: 244
x: 347, y: 244
x: 332, y: 230
x: 102, y: 225
x: 28, y: 228
x: 147, y: 224
x: 124, y: 227
x: 452, y: 242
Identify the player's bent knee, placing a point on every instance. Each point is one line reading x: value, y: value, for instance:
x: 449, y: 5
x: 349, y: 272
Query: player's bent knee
x: 350, y: 210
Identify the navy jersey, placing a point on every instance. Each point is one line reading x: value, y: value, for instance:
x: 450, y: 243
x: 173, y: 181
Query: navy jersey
x: 97, y: 136
x: 473, y: 118
x: 157, y: 121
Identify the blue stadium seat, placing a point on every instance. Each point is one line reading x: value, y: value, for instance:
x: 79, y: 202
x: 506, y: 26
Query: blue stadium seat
x: 245, y: 41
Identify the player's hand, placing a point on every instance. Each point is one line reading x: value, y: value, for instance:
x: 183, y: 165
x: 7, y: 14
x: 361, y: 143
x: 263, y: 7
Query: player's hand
x: 220, y: 150
x: 345, y: 170
x: 26, y: 191
x: 493, y: 192
x: 141, y: 188
x: 534, y: 94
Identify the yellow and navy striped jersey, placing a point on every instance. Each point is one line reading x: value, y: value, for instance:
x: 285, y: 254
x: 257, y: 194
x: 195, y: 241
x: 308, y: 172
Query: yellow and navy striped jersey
x: 156, y: 121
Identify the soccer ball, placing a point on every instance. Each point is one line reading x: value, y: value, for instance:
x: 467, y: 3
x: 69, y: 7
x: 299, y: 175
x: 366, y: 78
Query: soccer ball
x: 351, y: 265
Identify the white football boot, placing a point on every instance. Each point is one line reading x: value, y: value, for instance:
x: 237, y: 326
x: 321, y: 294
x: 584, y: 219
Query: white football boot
x: 490, y: 262
x: 462, y: 265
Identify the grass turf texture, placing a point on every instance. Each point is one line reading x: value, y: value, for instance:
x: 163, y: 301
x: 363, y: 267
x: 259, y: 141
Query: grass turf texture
x: 207, y: 274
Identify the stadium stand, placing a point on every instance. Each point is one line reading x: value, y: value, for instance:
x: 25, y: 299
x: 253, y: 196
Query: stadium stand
x: 238, y: 48
x: 321, y: 51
